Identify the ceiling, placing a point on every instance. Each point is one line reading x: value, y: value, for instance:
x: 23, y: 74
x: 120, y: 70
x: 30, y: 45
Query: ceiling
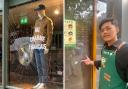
x: 28, y: 10
x: 103, y: 0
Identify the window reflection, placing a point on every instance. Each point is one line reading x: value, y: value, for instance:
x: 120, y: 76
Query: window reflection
x: 77, y: 75
x: 22, y: 64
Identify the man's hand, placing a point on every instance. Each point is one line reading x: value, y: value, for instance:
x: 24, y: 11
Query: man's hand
x: 86, y: 60
x: 46, y: 51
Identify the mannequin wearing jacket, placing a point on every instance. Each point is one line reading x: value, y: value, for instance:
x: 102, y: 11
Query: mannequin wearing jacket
x: 43, y: 36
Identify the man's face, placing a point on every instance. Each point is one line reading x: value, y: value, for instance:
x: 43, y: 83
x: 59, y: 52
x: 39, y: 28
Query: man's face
x: 109, y: 32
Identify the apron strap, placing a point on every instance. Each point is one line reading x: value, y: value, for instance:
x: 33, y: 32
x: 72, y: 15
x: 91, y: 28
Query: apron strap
x: 120, y: 46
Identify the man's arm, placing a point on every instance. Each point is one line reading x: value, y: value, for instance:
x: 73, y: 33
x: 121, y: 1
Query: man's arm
x: 88, y: 61
x: 122, y: 62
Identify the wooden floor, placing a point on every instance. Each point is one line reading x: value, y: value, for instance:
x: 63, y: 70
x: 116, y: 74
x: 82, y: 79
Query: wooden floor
x: 25, y: 82
x: 29, y: 86
x: 24, y: 86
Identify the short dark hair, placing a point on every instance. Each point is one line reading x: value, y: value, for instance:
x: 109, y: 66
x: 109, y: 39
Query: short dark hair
x: 112, y: 20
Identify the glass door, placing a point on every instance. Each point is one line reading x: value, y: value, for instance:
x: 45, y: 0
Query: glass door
x: 77, y: 29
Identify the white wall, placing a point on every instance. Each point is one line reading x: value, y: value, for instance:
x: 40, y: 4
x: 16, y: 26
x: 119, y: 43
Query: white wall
x: 1, y: 4
x: 124, y: 33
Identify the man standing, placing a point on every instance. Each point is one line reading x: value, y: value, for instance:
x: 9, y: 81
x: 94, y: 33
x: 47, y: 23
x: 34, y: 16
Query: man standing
x: 42, y: 38
x: 114, y: 57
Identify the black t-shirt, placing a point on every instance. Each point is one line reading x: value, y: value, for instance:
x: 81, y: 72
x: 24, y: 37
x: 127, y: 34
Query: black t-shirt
x: 121, y: 59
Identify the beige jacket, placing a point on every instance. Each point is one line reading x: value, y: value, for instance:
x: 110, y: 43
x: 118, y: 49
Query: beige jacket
x: 44, y: 27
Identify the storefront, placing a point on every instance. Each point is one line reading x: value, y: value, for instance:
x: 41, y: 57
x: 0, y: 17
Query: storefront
x: 78, y: 28
x: 16, y: 28
x: 87, y: 14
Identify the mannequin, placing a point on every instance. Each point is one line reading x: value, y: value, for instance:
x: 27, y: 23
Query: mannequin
x: 43, y: 29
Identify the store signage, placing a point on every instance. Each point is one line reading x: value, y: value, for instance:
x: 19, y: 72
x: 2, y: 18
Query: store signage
x: 23, y: 20
x: 70, y: 33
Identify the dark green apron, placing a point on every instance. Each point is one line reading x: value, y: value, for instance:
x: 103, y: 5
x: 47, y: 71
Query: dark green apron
x: 109, y: 78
